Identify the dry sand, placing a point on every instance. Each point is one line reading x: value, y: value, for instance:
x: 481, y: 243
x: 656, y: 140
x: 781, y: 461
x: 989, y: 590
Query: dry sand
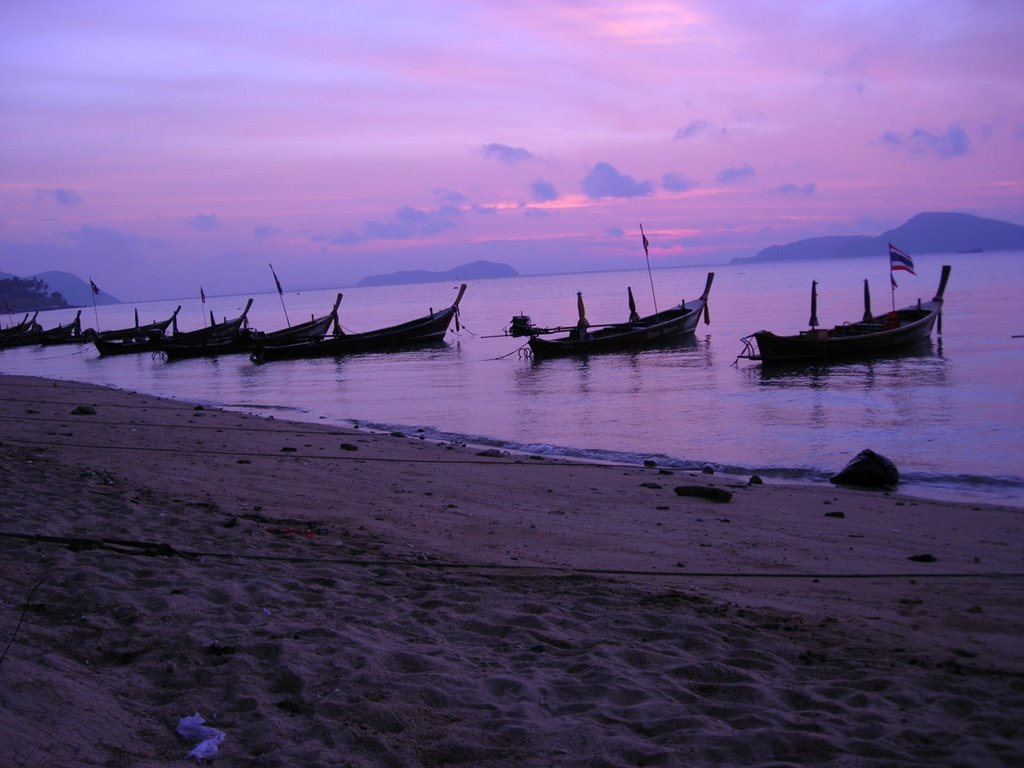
x: 341, y: 598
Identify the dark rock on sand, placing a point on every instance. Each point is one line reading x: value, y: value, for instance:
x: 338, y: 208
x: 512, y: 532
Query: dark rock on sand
x: 83, y: 410
x: 705, y: 492
x: 869, y: 470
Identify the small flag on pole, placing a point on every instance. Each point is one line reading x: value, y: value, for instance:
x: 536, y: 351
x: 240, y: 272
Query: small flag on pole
x: 276, y: 281
x: 899, y: 260
x: 93, y: 288
x: 647, y: 243
x: 202, y: 295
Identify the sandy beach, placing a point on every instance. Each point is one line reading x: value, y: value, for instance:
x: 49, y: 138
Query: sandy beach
x: 327, y: 596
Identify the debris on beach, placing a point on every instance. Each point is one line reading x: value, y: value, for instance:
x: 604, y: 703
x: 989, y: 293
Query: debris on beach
x: 705, y: 492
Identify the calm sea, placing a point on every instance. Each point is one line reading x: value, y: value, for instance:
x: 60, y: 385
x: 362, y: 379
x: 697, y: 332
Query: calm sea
x: 951, y: 416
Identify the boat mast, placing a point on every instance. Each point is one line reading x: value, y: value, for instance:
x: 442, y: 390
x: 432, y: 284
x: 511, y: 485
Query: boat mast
x: 280, y: 293
x: 647, y: 256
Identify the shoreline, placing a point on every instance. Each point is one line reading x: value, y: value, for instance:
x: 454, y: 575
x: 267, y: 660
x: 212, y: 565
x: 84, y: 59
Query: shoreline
x: 917, y: 489
x: 328, y: 593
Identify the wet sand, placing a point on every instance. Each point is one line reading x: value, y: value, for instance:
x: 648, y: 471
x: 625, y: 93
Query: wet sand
x: 337, y: 597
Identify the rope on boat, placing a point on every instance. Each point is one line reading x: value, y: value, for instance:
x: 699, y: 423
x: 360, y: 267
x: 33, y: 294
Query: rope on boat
x: 523, y: 351
x: 157, y: 549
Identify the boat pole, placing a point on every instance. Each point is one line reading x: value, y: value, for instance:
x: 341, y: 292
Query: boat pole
x: 280, y: 294
x: 94, y: 290
x: 647, y: 256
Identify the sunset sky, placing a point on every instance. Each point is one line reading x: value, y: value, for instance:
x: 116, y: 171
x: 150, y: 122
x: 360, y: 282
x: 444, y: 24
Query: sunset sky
x: 159, y: 146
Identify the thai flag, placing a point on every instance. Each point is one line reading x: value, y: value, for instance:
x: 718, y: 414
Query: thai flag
x: 899, y: 260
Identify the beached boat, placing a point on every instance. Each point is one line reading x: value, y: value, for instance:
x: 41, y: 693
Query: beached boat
x: 637, y: 333
x: 216, y: 339
x: 873, y: 335
x: 429, y: 329
x: 138, y: 338
x: 20, y: 334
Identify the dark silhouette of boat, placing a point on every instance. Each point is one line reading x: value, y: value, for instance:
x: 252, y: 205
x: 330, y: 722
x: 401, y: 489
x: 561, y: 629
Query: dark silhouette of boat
x: 637, y: 333
x: 873, y: 335
x: 135, y: 339
x: 429, y: 329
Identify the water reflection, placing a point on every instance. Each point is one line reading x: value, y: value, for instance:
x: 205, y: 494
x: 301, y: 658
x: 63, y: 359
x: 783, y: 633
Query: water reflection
x: 923, y: 366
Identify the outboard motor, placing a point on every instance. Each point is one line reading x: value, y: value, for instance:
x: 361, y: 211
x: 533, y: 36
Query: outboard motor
x: 522, y: 326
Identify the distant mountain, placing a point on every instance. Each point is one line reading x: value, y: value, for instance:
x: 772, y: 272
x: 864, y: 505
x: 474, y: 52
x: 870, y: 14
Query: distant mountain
x: 74, y: 290
x: 924, y: 233
x: 477, y: 270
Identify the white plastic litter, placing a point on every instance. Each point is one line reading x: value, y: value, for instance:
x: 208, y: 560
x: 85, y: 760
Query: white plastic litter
x: 191, y: 729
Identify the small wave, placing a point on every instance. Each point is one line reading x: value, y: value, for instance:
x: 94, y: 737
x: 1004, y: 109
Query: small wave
x: 997, y: 489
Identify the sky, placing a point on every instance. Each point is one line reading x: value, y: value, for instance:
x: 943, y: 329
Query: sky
x: 159, y: 146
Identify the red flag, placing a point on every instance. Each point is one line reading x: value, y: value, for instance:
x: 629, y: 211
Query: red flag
x: 900, y: 260
x: 93, y: 288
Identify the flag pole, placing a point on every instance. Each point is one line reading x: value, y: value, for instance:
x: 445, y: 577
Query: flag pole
x: 202, y: 304
x: 649, y: 275
x: 280, y: 294
x: 94, y: 290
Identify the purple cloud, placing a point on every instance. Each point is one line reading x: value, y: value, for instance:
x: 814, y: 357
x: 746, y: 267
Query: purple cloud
x: 60, y: 196
x: 408, y: 222
x: 736, y: 173
x: 265, y: 231
x: 953, y: 143
x: 797, y: 189
x: 506, y: 154
x: 543, y: 191
x: 604, y: 181
x: 699, y: 128
x: 676, y: 182
x: 205, y: 222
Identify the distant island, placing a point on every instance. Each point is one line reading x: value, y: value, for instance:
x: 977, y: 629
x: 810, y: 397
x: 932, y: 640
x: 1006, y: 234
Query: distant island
x: 477, y: 270
x: 47, y: 290
x: 924, y: 233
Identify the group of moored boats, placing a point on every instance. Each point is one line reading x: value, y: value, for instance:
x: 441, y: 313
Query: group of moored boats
x: 318, y: 337
x: 323, y: 336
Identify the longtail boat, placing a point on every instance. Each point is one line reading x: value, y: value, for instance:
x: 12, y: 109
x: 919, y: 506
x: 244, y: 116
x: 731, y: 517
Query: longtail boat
x: 637, y: 333
x: 138, y: 338
x: 429, y: 329
x: 872, y: 335
x: 71, y: 333
x: 20, y: 334
x: 313, y: 329
x: 216, y: 339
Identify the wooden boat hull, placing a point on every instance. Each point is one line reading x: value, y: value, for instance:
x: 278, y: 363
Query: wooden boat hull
x: 228, y: 339
x: 824, y: 344
x: 423, y: 331
x: 71, y: 333
x: 128, y: 345
x: 217, y: 339
x: 134, y: 340
x: 21, y: 334
x: 661, y: 329
x: 882, y: 335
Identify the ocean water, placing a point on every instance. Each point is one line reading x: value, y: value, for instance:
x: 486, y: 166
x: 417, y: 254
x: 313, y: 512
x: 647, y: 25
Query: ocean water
x: 951, y: 415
